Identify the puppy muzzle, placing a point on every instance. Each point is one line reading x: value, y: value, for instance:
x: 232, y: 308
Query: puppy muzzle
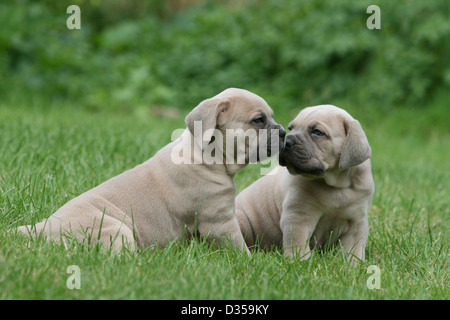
x: 299, y: 158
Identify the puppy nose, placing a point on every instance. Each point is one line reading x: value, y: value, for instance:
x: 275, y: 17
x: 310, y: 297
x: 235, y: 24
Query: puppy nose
x: 288, y: 142
x: 282, y: 133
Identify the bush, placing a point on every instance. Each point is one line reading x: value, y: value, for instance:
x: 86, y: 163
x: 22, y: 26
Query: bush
x: 130, y: 54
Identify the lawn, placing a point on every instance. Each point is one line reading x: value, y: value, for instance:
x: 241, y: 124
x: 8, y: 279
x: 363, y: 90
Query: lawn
x: 51, y: 153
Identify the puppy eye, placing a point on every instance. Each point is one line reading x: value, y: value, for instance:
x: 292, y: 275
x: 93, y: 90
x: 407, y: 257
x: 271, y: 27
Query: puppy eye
x: 290, y: 128
x: 317, y: 132
x: 258, y: 120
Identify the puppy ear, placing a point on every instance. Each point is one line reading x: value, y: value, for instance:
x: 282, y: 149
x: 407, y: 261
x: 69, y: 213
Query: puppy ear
x: 206, y: 113
x: 356, y: 147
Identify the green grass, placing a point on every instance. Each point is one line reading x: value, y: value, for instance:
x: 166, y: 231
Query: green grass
x: 48, y: 155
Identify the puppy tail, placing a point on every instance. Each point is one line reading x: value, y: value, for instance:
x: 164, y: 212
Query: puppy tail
x: 31, y: 230
x: 25, y: 230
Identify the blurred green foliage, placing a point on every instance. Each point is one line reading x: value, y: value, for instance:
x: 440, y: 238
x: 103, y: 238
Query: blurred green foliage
x: 144, y: 53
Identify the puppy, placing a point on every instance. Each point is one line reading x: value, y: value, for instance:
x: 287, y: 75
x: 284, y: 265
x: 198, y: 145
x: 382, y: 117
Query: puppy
x: 177, y: 193
x: 322, y: 195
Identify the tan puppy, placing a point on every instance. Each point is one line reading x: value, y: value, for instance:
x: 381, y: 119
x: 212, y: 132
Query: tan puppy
x: 323, y: 195
x: 174, y: 194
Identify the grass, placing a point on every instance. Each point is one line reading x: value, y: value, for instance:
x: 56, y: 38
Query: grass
x: 50, y: 154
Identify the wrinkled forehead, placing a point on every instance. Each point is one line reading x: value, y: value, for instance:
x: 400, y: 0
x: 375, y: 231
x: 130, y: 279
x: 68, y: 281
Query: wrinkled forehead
x: 329, y: 114
x: 246, y: 98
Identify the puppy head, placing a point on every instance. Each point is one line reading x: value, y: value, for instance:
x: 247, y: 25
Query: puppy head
x: 235, y: 111
x: 324, y: 138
